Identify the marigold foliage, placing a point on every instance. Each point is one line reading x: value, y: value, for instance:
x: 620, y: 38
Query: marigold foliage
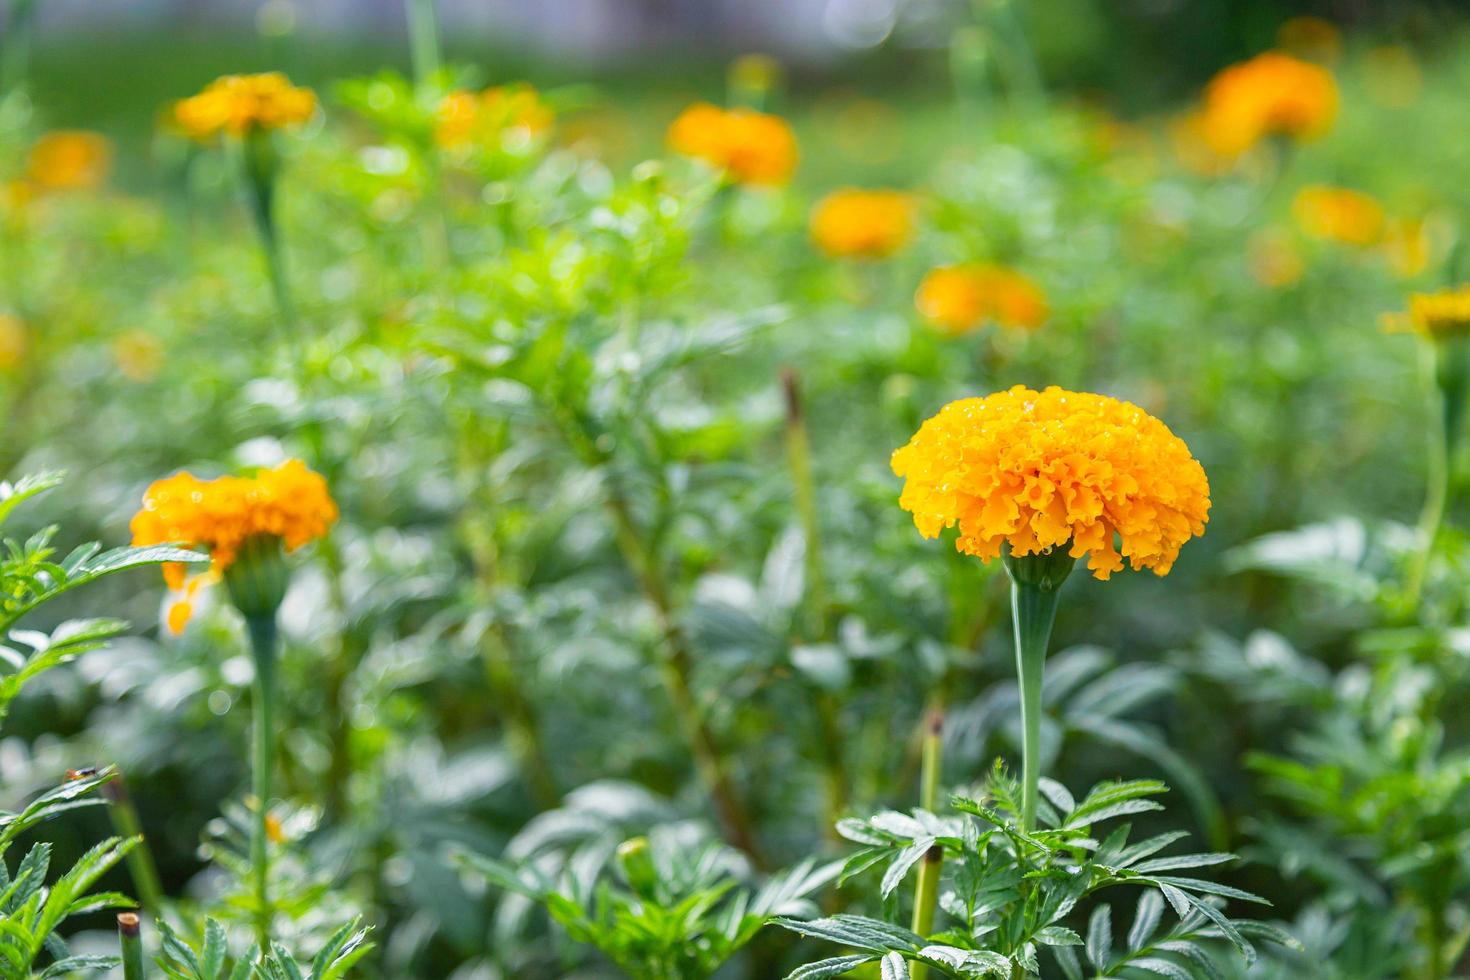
x: 1337, y: 214
x: 1438, y: 315
x: 1272, y: 94
x: 959, y: 298
x: 289, y: 502
x: 240, y: 104
x: 749, y: 147
x: 870, y: 224
x: 70, y: 159
x: 1039, y: 470
x: 468, y: 117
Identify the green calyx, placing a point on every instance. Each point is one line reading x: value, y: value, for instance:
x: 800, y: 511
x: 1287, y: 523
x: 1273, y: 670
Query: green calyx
x: 258, y: 577
x: 1046, y: 570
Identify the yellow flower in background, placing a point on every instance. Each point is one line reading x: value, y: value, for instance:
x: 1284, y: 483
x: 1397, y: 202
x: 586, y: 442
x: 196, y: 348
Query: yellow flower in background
x: 1337, y: 214
x: 1311, y: 38
x: 1392, y: 77
x: 749, y: 147
x: 867, y: 224
x: 1438, y: 316
x: 1273, y: 259
x: 754, y: 74
x: 138, y: 355
x: 14, y: 341
x: 69, y: 159
x: 240, y: 104
x: 467, y: 117
x: 1408, y: 246
x: 1040, y: 470
x: 1193, y: 149
x: 959, y: 298
x: 289, y: 503
x: 1273, y: 94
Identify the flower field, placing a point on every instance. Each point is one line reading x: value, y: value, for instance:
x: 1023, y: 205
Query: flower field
x: 462, y: 526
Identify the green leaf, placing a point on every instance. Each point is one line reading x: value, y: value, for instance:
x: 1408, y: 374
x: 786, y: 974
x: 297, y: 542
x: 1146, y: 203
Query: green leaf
x: 1100, y: 936
x: 833, y: 967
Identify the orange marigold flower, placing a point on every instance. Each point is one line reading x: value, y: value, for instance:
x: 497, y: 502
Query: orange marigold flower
x: 1337, y: 214
x: 241, y: 104
x: 467, y: 117
x: 1438, y: 316
x: 1271, y: 94
x: 1039, y: 470
x: 69, y: 159
x: 749, y: 147
x: 863, y: 224
x: 290, y: 503
x: 959, y: 298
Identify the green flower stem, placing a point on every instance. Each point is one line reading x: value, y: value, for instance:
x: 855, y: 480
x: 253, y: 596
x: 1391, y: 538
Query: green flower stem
x: 264, y: 643
x: 1036, y: 582
x: 1448, y: 365
x: 261, y: 165
x: 141, y: 866
x: 129, y: 928
x: 15, y: 44
x: 817, y: 611
x: 423, y: 41
x: 926, y: 894
x: 677, y: 669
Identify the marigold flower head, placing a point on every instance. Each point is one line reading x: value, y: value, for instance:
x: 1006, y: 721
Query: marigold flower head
x: 467, y: 117
x: 1439, y: 316
x: 863, y: 224
x: 241, y: 104
x: 959, y: 298
x: 289, y: 502
x: 1040, y: 470
x: 69, y: 159
x: 14, y: 340
x: 1337, y: 214
x: 1271, y: 94
x: 749, y: 147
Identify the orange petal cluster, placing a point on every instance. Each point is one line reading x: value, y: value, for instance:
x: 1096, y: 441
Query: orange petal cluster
x: 1272, y: 94
x: 1438, y: 316
x: 1337, y: 214
x: 869, y: 224
x: 69, y: 159
x: 240, y: 104
x: 467, y: 117
x: 1054, y: 468
x: 959, y: 298
x: 749, y: 147
x: 289, y: 502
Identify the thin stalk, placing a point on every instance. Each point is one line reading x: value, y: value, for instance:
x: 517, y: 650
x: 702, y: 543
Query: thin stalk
x: 926, y: 894
x: 817, y: 607
x: 15, y: 44
x: 1446, y: 365
x: 129, y: 929
x: 1036, y: 582
x: 259, y: 156
x: 264, y: 642
x: 677, y: 669
x: 477, y: 447
x: 423, y: 42
x: 141, y: 866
